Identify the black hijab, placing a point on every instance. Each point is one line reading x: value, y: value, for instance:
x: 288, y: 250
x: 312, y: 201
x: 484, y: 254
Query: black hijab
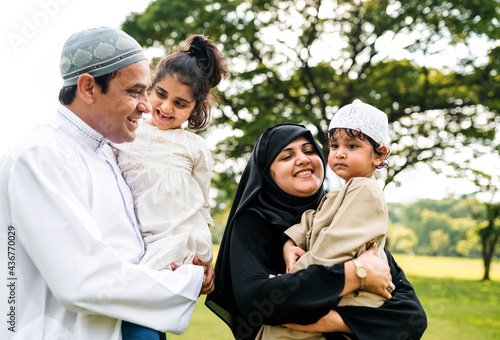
x: 258, y: 192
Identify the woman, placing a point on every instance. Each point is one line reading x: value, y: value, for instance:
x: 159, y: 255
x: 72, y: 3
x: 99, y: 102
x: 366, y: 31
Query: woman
x: 251, y: 250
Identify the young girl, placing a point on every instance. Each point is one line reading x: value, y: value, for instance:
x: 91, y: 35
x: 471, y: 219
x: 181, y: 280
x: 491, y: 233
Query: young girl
x: 348, y: 220
x: 168, y: 168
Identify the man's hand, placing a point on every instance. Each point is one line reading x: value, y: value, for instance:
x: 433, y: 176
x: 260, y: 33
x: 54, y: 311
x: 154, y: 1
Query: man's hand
x: 208, y: 279
x: 291, y: 253
x: 330, y: 323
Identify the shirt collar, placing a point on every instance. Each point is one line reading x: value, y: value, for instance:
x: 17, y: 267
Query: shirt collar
x: 91, y: 137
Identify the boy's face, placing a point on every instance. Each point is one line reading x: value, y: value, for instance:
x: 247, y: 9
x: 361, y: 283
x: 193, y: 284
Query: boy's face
x: 352, y: 157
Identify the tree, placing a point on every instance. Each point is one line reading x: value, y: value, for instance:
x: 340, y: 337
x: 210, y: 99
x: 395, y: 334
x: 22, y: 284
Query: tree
x: 299, y: 61
x: 487, y: 216
x: 482, y: 169
x: 401, y: 239
x: 441, y: 227
x: 485, y: 209
x: 470, y: 244
x: 440, y: 241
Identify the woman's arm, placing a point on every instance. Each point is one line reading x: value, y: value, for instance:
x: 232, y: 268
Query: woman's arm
x: 401, y: 317
x: 302, y: 297
x: 333, y: 322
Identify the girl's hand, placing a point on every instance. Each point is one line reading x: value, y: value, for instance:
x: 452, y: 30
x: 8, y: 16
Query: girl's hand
x: 330, y: 323
x: 208, y: 279
x: 378, y: 277
x: 291, y: 253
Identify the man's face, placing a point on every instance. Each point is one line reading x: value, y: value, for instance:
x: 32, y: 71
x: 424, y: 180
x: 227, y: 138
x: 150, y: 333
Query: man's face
x: 115, y: 114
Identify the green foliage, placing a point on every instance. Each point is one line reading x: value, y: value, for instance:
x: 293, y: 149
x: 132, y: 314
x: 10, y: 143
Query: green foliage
x: 440, y: 241
x: 470, y: 245
x: 299, y: 61
x: 220, y: 219
x: 401, y: 239
x: 430, y: 227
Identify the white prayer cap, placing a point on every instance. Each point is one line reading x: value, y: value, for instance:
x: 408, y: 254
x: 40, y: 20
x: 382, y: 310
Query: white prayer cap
x: 364, y: 118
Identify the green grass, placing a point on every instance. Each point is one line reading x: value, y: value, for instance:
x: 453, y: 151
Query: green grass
x: 204, y: 325
x: 458, y: 305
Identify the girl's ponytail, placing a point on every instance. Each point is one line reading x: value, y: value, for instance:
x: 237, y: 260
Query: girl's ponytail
x: 209, y: 58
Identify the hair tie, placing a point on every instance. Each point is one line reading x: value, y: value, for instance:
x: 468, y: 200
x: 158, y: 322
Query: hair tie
x: 195, y: 51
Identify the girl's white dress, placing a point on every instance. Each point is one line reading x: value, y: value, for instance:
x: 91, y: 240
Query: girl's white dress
x: 168, y: 172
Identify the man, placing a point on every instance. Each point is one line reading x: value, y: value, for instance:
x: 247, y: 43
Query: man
x: 68, y: 231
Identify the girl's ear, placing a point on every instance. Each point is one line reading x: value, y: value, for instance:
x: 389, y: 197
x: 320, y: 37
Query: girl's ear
x: 203, y: 104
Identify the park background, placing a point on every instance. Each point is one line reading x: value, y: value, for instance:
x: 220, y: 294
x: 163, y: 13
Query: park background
x: 433, y: 66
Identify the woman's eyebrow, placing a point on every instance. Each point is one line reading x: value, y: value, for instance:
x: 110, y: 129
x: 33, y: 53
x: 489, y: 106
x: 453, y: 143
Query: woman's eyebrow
x: 290, y: 149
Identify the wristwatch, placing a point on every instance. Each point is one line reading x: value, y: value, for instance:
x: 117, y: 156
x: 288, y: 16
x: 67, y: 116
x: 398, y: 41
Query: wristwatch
x: 360, y: 272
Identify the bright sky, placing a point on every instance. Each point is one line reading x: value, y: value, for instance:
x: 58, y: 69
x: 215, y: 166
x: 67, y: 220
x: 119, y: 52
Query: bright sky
x: 32, y: 35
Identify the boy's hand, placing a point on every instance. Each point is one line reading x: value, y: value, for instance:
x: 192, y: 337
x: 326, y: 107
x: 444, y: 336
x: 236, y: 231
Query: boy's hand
x: 291, y: 253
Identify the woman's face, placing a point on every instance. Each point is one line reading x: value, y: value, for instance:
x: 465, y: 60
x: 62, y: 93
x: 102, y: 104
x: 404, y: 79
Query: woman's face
x: 298, y: 169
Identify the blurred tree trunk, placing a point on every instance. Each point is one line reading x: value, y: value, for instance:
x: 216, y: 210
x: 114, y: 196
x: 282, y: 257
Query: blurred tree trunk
x: 490, y: 236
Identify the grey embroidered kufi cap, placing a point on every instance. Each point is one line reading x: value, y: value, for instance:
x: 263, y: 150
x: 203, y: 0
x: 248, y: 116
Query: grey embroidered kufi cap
x: 363, y: 117
x: 98, y: 51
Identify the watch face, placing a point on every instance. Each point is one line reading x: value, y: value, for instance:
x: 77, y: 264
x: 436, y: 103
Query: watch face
x: 361, y: 272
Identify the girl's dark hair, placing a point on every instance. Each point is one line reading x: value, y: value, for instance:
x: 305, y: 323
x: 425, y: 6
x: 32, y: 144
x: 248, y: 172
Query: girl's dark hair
x: 68, y: 93
x: 198, y: 64
x: 358, y: 134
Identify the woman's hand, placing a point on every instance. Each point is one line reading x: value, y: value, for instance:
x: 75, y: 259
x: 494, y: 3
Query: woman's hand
x: 330, y: 323
x: 291, y: 253
x: 378, y: 278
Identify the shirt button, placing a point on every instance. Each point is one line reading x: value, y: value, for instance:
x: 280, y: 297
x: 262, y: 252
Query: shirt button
x: 160, y: 139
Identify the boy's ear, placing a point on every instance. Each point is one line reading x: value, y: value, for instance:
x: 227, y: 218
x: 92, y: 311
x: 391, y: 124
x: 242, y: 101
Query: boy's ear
x: 86, y: 87
x: 380, y: 158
